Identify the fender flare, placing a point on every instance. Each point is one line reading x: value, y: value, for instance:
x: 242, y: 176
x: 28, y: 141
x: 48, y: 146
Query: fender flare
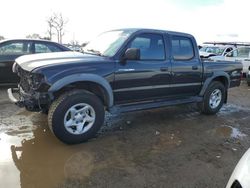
x: 210, y: 79
x: 82, y: 78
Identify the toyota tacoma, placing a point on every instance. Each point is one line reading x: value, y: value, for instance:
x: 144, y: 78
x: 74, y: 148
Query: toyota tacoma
x: 120, y: 71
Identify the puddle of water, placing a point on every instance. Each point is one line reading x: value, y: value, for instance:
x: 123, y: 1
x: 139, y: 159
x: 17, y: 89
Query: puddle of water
x: 230, y: 132
x: 30, y: 156
x: 79, y: 166
x: 228, y: 109
x: 9, y: 174
x: 236, y: 133
x: 5, y: 149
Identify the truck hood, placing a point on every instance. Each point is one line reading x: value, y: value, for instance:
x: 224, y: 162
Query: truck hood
x: 31, y: 62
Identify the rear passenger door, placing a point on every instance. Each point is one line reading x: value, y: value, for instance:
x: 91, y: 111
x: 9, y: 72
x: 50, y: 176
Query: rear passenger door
x: 186, y: 67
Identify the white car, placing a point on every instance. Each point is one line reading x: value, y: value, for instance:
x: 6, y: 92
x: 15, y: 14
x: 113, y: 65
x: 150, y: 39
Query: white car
x: 240, y: 177
x: 240, y: 54
x: 209, y: 50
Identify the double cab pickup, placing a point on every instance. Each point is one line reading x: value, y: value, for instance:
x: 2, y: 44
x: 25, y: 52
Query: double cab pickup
x: 120, y: 71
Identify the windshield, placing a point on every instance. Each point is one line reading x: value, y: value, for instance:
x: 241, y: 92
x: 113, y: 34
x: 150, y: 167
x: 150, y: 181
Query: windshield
x: 203, y: 49
x: 213, y: 49
x: 108, y: 43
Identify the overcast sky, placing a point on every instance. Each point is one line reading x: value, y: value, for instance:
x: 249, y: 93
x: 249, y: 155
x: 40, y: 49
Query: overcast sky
x: 224, y: 20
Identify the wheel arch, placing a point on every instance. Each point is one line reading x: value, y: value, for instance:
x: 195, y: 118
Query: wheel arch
x: 90, y: 82
x: 220, y: 77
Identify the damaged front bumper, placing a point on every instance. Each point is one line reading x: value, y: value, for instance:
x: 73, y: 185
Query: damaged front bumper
x: 34, y: 101
x: 13, y: 99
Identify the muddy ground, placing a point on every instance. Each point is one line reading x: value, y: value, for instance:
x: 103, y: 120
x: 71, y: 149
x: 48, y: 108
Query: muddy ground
x: 174, y: 147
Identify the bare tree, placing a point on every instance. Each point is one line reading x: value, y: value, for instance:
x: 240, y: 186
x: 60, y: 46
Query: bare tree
x: 1, y: 37
x: 33, y: 36
x: 45, y: 38
x: 59, y: 25
x: 50, y: 23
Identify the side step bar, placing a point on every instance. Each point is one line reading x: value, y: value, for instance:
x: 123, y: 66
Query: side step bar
x: 152, y: 104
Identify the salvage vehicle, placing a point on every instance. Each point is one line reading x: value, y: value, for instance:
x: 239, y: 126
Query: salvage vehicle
x: 240, y: 177
x: 210, y: 49
x: 120, y: 71
x: 241, y: 54
x: 14, y: 48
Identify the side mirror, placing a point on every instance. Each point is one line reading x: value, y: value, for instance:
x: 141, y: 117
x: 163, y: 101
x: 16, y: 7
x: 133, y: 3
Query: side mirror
x: 132, y: 54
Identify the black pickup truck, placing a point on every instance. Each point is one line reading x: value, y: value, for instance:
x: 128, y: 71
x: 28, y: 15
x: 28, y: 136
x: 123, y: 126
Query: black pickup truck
x: 121, y: 71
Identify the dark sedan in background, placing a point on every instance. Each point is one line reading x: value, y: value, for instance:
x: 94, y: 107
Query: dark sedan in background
x: 12, y: 49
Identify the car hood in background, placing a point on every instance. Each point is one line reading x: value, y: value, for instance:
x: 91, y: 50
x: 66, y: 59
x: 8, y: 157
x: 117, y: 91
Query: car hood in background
x: 218, y: 58
x: 205, y: 54
x: 30, y: 62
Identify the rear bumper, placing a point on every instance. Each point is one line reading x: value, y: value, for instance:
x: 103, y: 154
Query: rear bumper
x: 31, y: 101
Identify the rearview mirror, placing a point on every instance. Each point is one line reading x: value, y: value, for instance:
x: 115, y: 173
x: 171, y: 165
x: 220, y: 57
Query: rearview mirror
x: 132, y: 54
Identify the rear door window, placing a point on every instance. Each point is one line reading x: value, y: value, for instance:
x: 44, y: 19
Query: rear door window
x: 182, y: 48
x: 46, y: 48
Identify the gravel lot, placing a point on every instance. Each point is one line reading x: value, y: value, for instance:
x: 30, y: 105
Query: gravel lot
x: 171, y: 147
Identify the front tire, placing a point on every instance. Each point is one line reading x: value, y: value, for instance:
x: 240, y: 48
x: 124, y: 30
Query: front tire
x: 76, y: 116
x: 213, y: 99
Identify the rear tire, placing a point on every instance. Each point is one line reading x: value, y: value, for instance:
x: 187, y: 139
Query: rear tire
x: 214, y: 98
x: 76, y: 116
x: 248, y: 83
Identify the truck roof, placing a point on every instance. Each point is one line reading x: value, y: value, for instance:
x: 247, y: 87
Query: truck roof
x: 154, y: 30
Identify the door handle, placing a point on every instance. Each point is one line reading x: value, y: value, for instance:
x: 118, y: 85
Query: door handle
x: 195, y: 67
x: 246, y: 59
x: 164, y: 69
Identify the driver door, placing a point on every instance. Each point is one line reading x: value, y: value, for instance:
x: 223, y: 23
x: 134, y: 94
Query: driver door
x: 146, y: 78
